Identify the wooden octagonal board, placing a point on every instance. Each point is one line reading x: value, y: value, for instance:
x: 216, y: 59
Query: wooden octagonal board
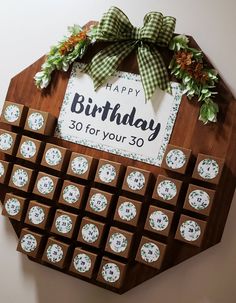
x: 142, y: 228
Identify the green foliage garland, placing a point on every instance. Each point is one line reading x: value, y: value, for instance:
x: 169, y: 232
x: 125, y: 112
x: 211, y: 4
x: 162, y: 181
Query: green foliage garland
x: 197, y: 80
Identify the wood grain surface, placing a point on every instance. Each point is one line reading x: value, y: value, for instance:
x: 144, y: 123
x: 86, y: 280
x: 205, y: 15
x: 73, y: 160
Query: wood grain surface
x: 216, y: 139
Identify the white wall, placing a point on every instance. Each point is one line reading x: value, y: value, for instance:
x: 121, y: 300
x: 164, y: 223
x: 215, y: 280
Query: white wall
x: 27, y: 29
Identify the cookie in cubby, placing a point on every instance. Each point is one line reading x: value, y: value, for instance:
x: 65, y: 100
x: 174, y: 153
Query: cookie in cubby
x: 14, y: 206
x: 167, y: 189
x: 83, y: 262
x: 151, y: 252
x: 30, y: 243
x: 190, y: 230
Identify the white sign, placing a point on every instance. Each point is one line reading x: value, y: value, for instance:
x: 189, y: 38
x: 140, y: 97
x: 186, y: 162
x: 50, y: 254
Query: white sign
x: 116, y: 118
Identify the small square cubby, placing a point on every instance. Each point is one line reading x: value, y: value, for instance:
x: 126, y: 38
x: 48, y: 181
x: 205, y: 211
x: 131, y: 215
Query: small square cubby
x: 56, y: 252
x: 176, y: 158
x: 136, y: 180
x: 30, y: 149
x: 14, y: 206
x: 159, y: 220
x: 109, y: 172
x: 112, y: 272
x: 14, y: 113
x: 30, y: 243
x: 167, y: 189
x: 55, y: 157
x: 190, y: 230
x: 72, y: 194
x: 91, y: 232
x: 22, y: 178
x: 151, y: 252
x: 81, y: 166
x: 208, y: 168
x: 127, y: 211
x: 40, y: 122
x: 46, y: 185
x: 199, y: 199
x: 5, y: 171
x: 38, y: 214
x: 119, y: 242
x: 99, y: 202
x: 8, y: 142
x: 83, y: 262
x: 64, y: 223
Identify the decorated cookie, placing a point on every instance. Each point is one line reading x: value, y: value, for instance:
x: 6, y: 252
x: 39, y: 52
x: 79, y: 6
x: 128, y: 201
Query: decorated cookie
x: 167, y: 190
x: 36, y: 215
x: 107, y: 173
x: 20, y: 177
x: 64, y: 224
x: 135, y: 180
x: 158, y: 220
x: 53, y: 156
x: 208, y: 169
x: 150, y: 252
x: 12, y: 113
x: 35, y: 121
x: 28, y: 243
x: 118, y: 242
x: 6, y: 141
x: 12, y: 206
x: 71, y: 194
x: 54, y: 253
x: 190, y: 230
x: 79, y: 165
x: 90, y: 233
x: 98, y: 202
x: 28, y: 149
x: 110, y: 272
x: 82, y: 263
x: 199, y: 199
x: 175, y: 159
x: 127, y: 211
x: 45, y: 185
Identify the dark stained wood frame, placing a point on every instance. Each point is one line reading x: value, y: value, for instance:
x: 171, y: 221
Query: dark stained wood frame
x: 216, y: 139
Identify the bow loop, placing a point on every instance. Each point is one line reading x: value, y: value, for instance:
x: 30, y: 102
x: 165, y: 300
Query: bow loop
x: 115, y: 27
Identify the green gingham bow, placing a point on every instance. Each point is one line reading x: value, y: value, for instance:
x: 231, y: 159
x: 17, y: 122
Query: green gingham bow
x: 116, y: 27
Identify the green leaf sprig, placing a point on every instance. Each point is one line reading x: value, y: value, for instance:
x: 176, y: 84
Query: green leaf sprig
x: 62, y: 55
x: 197, y: 80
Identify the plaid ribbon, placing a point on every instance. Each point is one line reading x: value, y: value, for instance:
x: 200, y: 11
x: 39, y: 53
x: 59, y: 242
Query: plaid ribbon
x: 116, y: 27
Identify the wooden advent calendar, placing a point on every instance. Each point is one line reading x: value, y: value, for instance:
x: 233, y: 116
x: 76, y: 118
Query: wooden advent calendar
x: 114, y: 221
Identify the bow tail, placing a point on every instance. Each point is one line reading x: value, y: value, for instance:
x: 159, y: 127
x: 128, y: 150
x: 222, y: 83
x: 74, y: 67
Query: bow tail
x: 152, y: 70
x: 105, y: 63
